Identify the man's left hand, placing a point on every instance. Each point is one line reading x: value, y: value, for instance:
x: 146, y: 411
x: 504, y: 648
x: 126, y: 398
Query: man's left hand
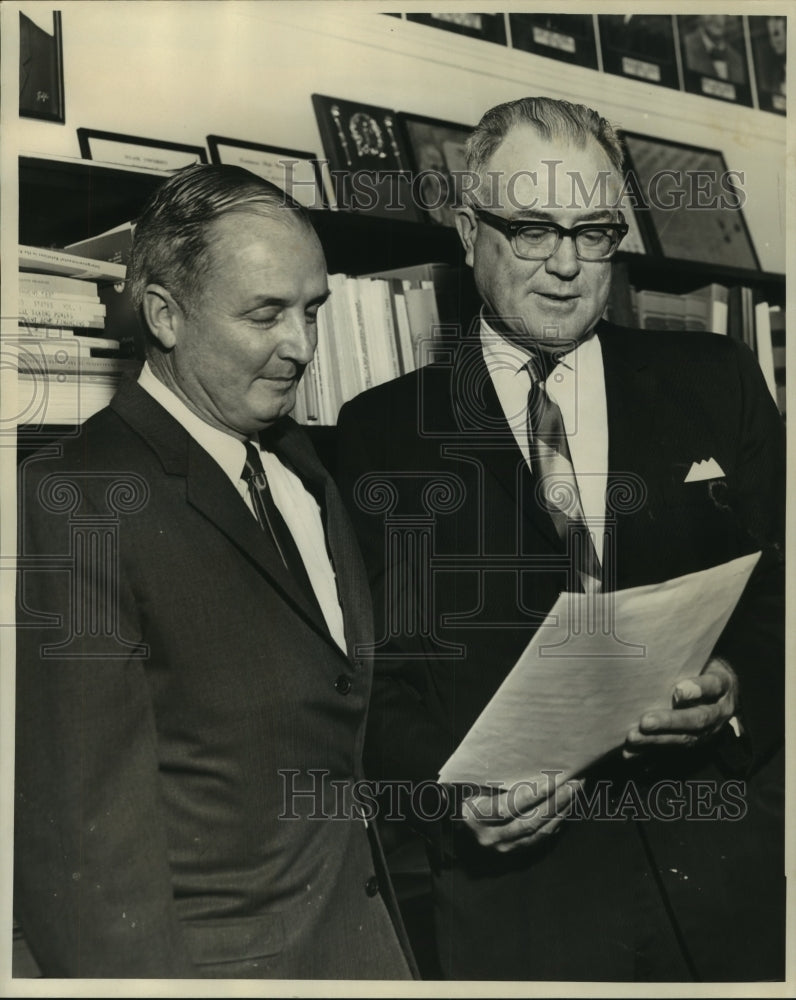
x: 702, y: 705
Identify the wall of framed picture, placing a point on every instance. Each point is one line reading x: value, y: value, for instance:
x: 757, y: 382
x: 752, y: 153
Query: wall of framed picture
x: 425, y: 76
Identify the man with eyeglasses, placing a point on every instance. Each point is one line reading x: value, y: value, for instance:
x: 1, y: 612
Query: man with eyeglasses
x: 665, y: 454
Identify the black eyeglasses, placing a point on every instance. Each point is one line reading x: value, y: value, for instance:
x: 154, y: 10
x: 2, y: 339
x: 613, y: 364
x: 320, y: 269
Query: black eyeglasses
x: 533, y: 240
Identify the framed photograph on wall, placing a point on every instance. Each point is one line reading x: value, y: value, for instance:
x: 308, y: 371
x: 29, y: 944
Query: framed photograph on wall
x: 294, y: 171
x: 368, y: 160
x: 640, y: 46
x: 568, y: 37
x: 436, y: 150
x: 689, y: 202
x: 489, y: 27
x: 135, y: 151
x: 41, y: 67
x: 770, y: 54
x: 713, y: 53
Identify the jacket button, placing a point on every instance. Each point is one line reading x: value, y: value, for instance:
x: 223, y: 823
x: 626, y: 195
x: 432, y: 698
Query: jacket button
x: 372, y: 886
x: 342, y: 685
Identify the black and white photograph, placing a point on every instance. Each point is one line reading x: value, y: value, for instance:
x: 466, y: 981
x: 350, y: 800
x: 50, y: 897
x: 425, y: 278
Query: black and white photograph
x: 770, y: 52
x: 568, y: 37
x: 488, y: 27
x: 393, y: 500
x: 437, y: 150
x: 640, y: 46
x: 714, y: 59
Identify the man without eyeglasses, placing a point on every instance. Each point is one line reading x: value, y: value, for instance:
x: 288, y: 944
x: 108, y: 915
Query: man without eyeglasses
x: 540, y: 390
x: 190, y: 705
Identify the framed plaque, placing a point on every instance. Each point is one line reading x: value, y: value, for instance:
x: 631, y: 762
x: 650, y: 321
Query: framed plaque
x: 135, y: 151
x: 369, y: 163
x: 714, y: 56
x: 770, y: 54
x: 688, y: 202
x: 436, y: 150
x: 489, y: 27
x: 297, y: 173
x: 640, y: 46
x: 568, y: 37
x: 41, y: 68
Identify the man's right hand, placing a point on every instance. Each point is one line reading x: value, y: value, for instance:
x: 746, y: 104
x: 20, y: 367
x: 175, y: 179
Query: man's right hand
x: 520, y: 817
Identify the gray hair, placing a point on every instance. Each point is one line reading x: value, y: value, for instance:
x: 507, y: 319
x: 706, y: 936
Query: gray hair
x: 552, y: 119
x: 172, y: 234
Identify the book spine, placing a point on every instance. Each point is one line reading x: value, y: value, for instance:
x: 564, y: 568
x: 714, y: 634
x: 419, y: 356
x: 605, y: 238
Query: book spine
x: 70, y: 265
x: 62, y: 313
x: 59, y: 361
x: 86, y: 344
x: 32, y: 283
x: 39, y: 296
x: 765, y: 350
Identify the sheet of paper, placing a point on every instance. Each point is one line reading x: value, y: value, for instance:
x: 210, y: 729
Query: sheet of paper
x: 591, y: 670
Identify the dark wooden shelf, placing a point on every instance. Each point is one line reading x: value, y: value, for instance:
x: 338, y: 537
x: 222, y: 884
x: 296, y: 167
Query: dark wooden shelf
x: 679, y: 276
x: 62, y: 201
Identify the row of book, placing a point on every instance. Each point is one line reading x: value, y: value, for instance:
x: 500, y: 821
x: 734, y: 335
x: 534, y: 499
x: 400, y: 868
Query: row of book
x: 372, y: 330
x: 731, y: 311
x: 67, y: 367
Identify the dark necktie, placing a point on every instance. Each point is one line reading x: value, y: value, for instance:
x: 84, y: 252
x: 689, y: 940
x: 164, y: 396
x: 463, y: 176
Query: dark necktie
x: 271, y: 520
x: 557, y: 486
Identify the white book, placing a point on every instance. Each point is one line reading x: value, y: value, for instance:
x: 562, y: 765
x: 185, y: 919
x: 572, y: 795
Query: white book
x: 345, y: 325
x: 36, y: 283
x: 43, y: 259
x: 765, y: 351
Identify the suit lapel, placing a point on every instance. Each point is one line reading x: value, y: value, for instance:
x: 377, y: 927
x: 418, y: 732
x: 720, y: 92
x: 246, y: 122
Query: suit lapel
x: 503, y: 463
x: 210, y: 492
x: 293, y: 446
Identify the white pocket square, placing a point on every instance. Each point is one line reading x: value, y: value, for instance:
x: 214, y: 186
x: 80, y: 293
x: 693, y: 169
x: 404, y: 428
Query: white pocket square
x: 708, y: 468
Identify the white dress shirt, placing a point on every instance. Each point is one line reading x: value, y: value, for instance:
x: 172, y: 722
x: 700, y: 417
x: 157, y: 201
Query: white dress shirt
x: 577, y: 386
x: 297, y: 506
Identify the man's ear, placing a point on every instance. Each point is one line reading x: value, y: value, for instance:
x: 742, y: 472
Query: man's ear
x: 467, y: 227
x: 163, y: 315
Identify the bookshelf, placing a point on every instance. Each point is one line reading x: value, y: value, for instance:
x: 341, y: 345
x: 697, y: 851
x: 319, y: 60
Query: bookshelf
x: 65, y: 200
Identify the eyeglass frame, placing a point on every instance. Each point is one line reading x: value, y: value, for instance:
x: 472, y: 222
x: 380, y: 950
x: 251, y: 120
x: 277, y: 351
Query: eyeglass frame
x: 510, y: 227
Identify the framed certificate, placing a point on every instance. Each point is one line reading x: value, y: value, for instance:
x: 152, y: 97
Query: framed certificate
x: 713, y: 51
x: 135, y: 151
x: 688, y: 202
x: 436, y: 150
x: 296, y: 172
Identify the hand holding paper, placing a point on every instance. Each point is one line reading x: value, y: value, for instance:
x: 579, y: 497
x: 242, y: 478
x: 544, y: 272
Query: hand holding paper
x: 701, y: 707
x: 521, y: 816
x: 594, y: 668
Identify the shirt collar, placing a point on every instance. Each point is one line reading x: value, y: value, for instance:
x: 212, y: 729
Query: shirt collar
x: 223, y: 448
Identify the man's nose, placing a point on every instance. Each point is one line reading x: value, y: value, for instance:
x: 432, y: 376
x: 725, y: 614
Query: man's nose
x: 564, y: 262
x: 299, y: 338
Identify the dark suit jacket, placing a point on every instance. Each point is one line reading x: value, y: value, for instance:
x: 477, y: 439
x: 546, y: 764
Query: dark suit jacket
x: 606, y: 899
x: 173, y: 686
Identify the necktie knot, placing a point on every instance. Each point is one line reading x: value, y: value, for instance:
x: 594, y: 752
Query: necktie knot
x: 253, y: 465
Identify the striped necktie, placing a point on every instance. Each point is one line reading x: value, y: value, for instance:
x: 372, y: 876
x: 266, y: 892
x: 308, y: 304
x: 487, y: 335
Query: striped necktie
x: 556, y: 483
x: 271, y: 520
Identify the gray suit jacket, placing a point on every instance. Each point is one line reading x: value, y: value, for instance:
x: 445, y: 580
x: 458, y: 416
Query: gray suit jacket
x: 175, y: 688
